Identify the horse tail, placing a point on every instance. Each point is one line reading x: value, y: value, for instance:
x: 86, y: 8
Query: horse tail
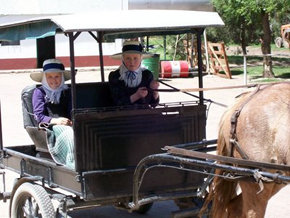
x: 221, y: 191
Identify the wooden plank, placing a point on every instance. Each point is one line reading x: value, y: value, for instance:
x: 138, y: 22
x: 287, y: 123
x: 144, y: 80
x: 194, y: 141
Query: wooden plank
x: 216, y: 88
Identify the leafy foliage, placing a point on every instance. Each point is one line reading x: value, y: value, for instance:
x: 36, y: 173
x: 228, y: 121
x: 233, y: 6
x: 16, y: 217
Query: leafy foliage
x: 174, y: 47
x: 245, y: 15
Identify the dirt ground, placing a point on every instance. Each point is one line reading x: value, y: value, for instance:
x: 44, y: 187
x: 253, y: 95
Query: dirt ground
x: 11, y: 85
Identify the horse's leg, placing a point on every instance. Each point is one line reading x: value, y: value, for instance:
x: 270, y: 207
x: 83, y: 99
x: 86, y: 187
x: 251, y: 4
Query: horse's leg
x: 254, y: 203
x: 234, y: 208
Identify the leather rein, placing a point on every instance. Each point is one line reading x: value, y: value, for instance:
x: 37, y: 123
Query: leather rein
x: 234, y: 121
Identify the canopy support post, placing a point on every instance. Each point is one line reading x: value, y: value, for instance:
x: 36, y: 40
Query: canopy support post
x: 72, y: 37
x: 200, y: 65
x: 1, y: 137
x: 100, y: 40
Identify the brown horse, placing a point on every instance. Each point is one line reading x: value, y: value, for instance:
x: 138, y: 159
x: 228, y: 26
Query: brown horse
x: 263, y: 134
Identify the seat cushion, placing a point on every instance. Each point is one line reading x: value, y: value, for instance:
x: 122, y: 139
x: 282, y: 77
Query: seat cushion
x: 27, y: 108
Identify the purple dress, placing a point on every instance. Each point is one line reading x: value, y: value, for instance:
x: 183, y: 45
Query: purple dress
x: 44, y: 110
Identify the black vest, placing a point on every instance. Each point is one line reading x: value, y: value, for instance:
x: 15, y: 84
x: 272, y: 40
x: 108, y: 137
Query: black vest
x: 62, y: 109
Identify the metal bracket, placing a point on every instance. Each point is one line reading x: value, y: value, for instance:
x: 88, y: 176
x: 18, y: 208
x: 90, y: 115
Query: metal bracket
x: 50, y: 178
x: 64, y: 202
x: 22, y: 168
x: 1, y: 158
x: 4, y: 195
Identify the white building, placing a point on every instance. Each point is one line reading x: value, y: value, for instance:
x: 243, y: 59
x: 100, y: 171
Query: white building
x: 29, y: 54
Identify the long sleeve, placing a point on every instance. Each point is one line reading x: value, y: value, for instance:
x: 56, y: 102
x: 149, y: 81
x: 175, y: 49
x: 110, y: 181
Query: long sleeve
x: 39, y: 107
x: 151, y: 100
x: 121, y: 93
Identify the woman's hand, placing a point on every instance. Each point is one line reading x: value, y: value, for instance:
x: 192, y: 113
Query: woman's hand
x: 141, y: 92
x: 61, y: 121
x: 154, y: 85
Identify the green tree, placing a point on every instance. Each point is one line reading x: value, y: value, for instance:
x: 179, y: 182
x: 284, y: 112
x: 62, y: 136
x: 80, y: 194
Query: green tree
x: 245, y: 17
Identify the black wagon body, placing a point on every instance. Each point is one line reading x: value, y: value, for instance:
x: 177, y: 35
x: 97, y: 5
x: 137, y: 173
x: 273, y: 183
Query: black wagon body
x: 110, y: 141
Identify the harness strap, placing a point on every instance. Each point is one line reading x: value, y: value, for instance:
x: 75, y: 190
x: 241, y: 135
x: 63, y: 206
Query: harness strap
x: 234, y: 121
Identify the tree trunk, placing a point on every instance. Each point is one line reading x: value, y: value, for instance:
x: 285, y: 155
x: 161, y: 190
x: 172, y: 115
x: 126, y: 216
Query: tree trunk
x: 266, y: 46
x: 243, y: 39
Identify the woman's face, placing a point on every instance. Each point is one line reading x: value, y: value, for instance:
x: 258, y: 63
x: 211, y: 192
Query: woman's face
x: 53, y: 79
x: 132, y: 61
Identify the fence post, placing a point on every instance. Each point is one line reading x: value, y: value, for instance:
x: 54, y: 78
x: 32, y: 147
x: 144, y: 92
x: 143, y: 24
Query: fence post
x: 245, y: 70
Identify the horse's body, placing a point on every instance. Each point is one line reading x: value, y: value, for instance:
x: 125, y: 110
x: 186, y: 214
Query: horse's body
x: 263, y: 133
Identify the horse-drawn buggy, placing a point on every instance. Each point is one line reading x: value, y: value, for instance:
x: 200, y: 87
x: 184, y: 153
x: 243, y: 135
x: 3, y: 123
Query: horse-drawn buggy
x: 130, y: 157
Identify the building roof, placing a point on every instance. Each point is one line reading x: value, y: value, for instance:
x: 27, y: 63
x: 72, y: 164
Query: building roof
x: 114, y: 24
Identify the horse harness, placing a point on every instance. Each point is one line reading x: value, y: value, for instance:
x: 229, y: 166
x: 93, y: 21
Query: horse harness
x: 234, y: 121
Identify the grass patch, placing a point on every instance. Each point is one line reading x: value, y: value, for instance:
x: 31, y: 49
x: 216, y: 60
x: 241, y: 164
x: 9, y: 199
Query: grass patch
x: 256, y: 72
x: 281, y: 65
x: 273, y: 47
x: 239, y: 60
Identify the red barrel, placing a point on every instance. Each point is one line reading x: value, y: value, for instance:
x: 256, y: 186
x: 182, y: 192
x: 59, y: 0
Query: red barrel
x: 174, y: 69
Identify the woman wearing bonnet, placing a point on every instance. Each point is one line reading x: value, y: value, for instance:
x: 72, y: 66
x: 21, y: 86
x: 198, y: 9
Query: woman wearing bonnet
x: 52, y: 106
x: 132, y: 84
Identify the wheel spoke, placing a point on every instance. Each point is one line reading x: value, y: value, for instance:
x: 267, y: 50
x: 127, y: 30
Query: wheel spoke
x: 31, y: 208
x: 35, y: 209
x: 27, y: 208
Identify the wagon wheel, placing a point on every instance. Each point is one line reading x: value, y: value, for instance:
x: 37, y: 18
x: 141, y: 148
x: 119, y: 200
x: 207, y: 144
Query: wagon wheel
x: 31, y: 200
